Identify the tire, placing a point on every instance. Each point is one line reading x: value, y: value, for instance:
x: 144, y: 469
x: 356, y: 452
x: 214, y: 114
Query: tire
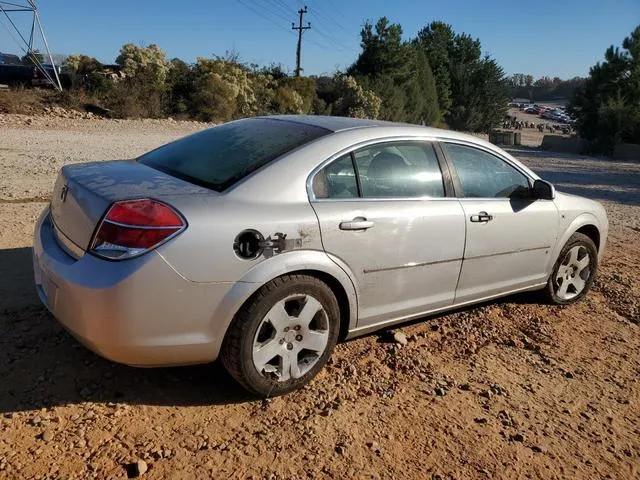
x: 573, y: 271
x: 274, y: 322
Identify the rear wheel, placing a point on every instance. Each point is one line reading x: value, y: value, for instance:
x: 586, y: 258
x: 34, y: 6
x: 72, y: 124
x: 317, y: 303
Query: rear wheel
x: 574, y: 271
x: 282, y: 337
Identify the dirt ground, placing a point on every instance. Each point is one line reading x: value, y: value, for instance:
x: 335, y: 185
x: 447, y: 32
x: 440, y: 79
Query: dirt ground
x: 510, y: 389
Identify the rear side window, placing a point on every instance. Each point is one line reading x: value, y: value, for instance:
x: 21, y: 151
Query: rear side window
x: 386, y: 170
x: 219, y: 157
x: 399, y: 170
x: 337, y: 180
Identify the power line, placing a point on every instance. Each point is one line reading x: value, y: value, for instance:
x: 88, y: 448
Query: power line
x: 275, y: 12
x: 331, y: 38
x: 321, y: 12
x: 260, y: 14
x: 280, y: 8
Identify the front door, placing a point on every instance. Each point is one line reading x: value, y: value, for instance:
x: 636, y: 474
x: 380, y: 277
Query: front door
x: 509, y: 234
x: 383, y: 211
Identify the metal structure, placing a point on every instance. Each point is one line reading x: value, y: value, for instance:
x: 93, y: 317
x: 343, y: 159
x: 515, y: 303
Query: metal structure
x: 300, y: 29
x: 26, y: 41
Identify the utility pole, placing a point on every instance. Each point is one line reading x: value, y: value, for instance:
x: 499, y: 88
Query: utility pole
x: 300, y: 29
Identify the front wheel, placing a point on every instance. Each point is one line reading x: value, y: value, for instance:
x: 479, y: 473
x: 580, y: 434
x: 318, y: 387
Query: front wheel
x: 282, y: 337
x: 574, y: 271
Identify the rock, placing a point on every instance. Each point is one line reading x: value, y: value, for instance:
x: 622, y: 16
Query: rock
x: 568, y: 375
x: 486, y: 394
x: 518, y: 437
x: 47, y: 435
x: 137, y: 469
x: 480, y: 420
x: 465, y: 386
x: 536, y: 449
x: 35, y: 421
x: 340, y: 449
x: 400, y: 338
x: 441, y: 392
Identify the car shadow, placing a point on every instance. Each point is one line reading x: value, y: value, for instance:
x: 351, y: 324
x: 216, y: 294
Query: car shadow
x: 41, y: 365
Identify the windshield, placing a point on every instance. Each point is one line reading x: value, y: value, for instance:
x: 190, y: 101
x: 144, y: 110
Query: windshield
x: 219, y: 157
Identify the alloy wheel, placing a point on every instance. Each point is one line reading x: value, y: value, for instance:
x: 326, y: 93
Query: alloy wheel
x: 573, y: 273
x: 291, y: 338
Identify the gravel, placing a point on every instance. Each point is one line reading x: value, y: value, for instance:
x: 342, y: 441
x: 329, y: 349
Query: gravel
x: 374, y: 412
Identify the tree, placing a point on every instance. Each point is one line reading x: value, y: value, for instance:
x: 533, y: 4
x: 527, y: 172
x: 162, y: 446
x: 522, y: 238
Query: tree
x: 607, y: 106
x: 179, y: 83
x: 422, y: 95
x: 144, y: 63
x: 81, y: 64
x: 435, y: 40
x: 398, y: 73
x: 33, y: 57
x: 354, y: 100
x: 141, y: 92
x: 471, y: 88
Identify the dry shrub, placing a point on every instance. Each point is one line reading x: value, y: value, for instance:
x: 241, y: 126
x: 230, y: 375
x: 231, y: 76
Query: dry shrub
x: 21, y: 100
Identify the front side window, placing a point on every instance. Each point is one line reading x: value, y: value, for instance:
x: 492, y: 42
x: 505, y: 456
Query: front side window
x: 483, y: 175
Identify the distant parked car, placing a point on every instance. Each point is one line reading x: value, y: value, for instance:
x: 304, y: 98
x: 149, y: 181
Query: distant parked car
x: 532, y: 110
x: 9, y: 59
x: 264, y: 240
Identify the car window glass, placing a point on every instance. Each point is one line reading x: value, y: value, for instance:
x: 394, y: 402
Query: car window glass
x: 337, y: 180
x: 221, y: 156
x: 483, y: 175
x: 399, y: 170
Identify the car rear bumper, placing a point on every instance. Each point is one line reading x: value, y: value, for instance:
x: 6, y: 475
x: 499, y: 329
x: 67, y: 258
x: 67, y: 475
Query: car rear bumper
x: 138, y: 312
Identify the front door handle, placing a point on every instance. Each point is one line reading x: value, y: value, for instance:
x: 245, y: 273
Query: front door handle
x: 358, y: 223
x: 481, y: 217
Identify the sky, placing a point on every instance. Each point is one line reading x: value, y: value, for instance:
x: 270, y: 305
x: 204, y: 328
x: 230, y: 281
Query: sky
x: 561, y: 38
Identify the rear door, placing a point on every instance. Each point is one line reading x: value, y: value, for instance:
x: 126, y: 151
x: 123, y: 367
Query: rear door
x: 509, y: 234
x: 384, y: 211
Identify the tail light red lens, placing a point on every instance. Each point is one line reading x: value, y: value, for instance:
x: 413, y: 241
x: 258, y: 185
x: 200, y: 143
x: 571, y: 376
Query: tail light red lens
x: 133, y: 227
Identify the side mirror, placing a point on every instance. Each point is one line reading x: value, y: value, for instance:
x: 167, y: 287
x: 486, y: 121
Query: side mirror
x: 543, y: 190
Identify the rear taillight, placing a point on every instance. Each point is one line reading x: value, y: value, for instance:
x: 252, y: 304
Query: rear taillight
x: 133, y: 227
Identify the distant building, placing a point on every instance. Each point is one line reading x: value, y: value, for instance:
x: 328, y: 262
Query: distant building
x: 521, y: 100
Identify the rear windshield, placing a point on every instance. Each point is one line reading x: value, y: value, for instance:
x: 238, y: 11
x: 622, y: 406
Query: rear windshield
x: 218, y: 157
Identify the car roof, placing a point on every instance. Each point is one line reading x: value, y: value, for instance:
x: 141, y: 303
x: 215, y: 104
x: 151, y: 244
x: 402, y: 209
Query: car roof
x: 341, y: 124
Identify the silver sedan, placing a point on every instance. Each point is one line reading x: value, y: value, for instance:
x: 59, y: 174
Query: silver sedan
x: 264, y: 241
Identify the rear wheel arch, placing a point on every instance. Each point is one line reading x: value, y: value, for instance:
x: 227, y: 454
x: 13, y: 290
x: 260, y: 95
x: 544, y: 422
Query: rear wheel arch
x: 339, y: 292
x: 242, y: 347
x: 338, y: 289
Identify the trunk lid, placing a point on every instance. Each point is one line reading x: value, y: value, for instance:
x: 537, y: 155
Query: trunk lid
x: 83, y: 192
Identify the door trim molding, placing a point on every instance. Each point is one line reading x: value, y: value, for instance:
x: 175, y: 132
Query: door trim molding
x: 508, y: 253
x: 410, y: 265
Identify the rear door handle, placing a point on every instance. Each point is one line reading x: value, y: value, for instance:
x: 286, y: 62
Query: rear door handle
x: 358, y: 223
x: 481, y: 217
